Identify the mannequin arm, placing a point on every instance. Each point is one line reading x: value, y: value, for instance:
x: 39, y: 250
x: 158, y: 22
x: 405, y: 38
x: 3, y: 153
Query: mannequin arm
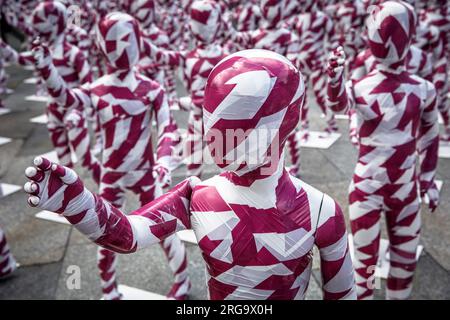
x: 58, y: 189
x: 338, y: 280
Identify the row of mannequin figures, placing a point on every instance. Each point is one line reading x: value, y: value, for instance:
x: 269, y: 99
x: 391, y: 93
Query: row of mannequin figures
x: 382, y: 63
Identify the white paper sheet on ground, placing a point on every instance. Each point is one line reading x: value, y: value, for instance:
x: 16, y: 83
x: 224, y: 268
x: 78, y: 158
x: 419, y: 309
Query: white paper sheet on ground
x: 37, y: 98
x: 444, y: 149
x: 4, y: 111
x: 42, y: 119
x: 130, y: 293
x: 319, y: 140
x: 31, y: 80
x: 6, y: 189
x: 439, y: 184
x: 4, y: 140
x: 382, y: 269
x: 51, y: 216
x: 187, y: 236
x: 29, y: 68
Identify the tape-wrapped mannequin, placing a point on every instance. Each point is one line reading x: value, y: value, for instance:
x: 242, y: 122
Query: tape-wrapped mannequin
x: 205, y: 22
x: 49, y: 22
x: 434, y: 20
x: 126, y: 103
x: 397, y: 119
x: 255, y: 224
x: 315, y: 32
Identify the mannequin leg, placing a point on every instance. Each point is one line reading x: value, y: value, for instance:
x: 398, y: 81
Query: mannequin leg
x: 58, y: 135
x: 176, y: 255
x: 195, y: 142
x: 7, y: 262
x: 318, y: 81
x: 107, y: 260
x: 304, y: 122
x: 365, y: 214
x: 404, y: 223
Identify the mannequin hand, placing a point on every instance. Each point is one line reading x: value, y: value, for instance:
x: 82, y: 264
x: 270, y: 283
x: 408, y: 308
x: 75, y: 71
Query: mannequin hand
x: 73, y: 119
x: 336, y: 62
x: 41, y: 54
x: 162, y: 175
x: 433, y: 196
x: 56, y: 188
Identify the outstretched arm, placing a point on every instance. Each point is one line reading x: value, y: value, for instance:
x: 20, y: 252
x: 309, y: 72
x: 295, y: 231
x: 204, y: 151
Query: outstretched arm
x: 10, y: 54
x: 58, y: 189
x: 81, y: 66
x: 56, y: 86
x: 339, y: 96
x: 162, y: 56
x: 338, y: 280
x: 427, y: 146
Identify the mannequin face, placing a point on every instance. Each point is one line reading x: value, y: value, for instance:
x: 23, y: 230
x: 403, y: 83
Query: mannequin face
x: 118, y: 37
x: 49, y: 20
x: 390, y: 28
x: 205, y: 20
x: 252, y: 103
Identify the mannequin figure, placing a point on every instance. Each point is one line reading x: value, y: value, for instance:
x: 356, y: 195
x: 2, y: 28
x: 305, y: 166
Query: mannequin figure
x: 255, y: 224
x: 204, y: 23
x: 49, y: 22
x: 397, y: 118
x: 315, y: 33
x: 126, y: 102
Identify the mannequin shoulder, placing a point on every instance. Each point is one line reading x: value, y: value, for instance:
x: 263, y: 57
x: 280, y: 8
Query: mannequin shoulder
x: 322, y: 207
x: 314, y: 196
x: 426, y: 90
x: 208, y: 196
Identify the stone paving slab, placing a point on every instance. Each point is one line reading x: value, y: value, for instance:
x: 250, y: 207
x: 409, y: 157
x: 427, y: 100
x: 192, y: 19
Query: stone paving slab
x: 32, y: 245
x: 9, y: 127
x: 33, y: 282
x: 8, y: 153
x: 435, y: 232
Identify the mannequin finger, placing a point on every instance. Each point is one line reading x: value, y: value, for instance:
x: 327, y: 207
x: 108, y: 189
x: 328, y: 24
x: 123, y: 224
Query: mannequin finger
x: 33, y: 201
x: 68, y: 176
x: 31, y: 188
x: 42, y: 163
x: 34, y: 174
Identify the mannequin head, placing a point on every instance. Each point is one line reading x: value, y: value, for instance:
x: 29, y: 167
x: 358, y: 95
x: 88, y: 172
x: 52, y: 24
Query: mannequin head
x: 118, y: 38
x: 205, y: 20
x: 252, y: 103
x: 49, y: 20
x: 390, y: 29
x: 142, y: 10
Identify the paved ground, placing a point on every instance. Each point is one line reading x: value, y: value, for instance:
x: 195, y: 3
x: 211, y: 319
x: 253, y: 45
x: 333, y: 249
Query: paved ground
x: 47, y: 250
